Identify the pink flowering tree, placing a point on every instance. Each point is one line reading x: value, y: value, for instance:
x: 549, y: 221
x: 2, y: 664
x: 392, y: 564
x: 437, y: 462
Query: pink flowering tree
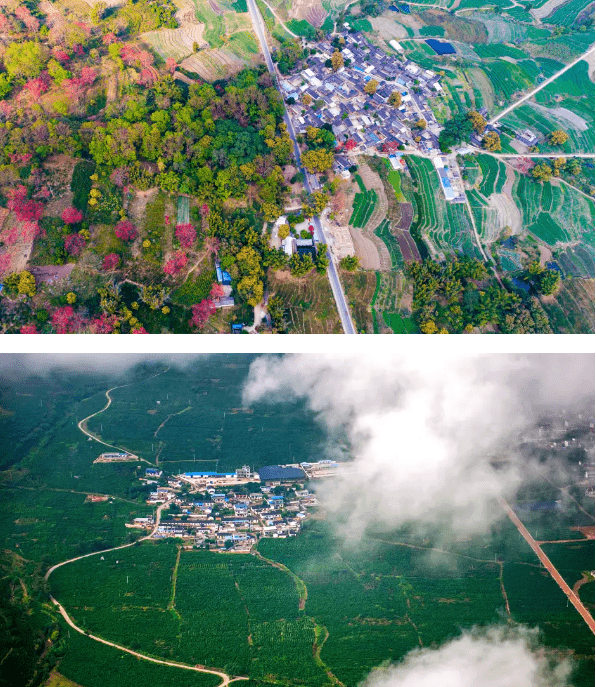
x: 176, y: 264
x: 139, y: 330
x: 25, y: 210
x: 212, y: 245
x: 88, y: 76
x: 217, y: 291
x: 125, y: 230
x: 74, y: 244
x: 171, y: 65
x: 66, y: 321
x: 201, y: 312
x: 27, y: 18
x: 109, y: 38
x: 110, y: 262
x: 119, y: 176
x: 102, y: 325
x: 29, y: 329
x: 186, y: 234
x: 71, y: 215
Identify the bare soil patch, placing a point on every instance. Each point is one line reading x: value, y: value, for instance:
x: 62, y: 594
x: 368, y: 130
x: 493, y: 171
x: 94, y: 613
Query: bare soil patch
x: 51, y: 273
x: 387, y: 29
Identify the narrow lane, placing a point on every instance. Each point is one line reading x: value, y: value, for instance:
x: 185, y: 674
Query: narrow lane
x: 336, y: 286
x: 581, y: 609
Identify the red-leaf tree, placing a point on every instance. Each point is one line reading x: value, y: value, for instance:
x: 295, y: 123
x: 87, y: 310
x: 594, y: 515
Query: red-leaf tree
x: 37, y: 87
x: 71, y: 215
x: 201, y: 312
x: 350, y: 144
x: 212, y: 245
x: 171, y: 64
x: 66, y: 321
x: 217, y: 291
x: 102, y: 325
x: 27, y: 18
x: 176, y: 264
x: 25, y: 210
x: 88, y: 76
x: 109, y: 38
x: 139, y: 330
x: 61, y: 55
x: 78, y: 49
x: 29, y: 329
x: 74, y: 244
x: 125, y: 230
x: 110, y: 262
x: 186, y: 234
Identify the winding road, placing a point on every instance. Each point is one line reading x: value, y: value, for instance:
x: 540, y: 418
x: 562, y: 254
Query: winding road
x: 107, y: 405
x: 309, y: 181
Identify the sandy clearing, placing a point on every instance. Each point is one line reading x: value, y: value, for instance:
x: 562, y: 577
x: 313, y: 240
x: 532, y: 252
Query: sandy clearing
x: 508, y: 214
x: 388, y: 29
x: 546, y: 254
x: 366, y: 251
x: 568, y: 117
x: 547, y: 8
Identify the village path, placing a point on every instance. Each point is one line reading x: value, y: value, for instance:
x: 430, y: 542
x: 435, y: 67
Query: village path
x: 541, y: 86
x: 581, y: 609
x: 108, y: 404
x: 274, y: 13
x: 226, y: 679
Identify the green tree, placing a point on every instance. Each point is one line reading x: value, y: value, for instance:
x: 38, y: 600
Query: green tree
x: 542, y: 172
x: 5, y: 85
x: 321, y: 261
x: 300, y: 265
x: 283, y: 231
x: 25, y: 59
x: 548, y: 282
x: 349, y: 263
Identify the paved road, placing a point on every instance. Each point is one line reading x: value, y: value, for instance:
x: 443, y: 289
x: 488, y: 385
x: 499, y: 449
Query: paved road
x: 309, y: 183
x: 581, y: 609
x: 541, y: 86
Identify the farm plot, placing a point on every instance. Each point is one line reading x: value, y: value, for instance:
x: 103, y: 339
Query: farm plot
x: 496, y: 50
x: 508, y: 79
x: 363, y: 207
x: 310, y: 307
x: 383, y: 231
x: 177, y: 43
x: 566, y: 14
x: 572, y: 311
x: 563, y: 48
x: 92, y: 664
x: 577, y: 261
x: 446, y: 225
x: 554, y: 214
x: 494, y: 175
x: 500, y: 30
x: 400, y: 324
x: 485, y: 216
x: 360, y: 288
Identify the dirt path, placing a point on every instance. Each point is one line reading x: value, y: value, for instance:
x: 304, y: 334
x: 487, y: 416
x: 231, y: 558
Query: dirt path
x: 569, y: 593
x: 107, y: 405
x: 581, y: 582
x: 300, y: 586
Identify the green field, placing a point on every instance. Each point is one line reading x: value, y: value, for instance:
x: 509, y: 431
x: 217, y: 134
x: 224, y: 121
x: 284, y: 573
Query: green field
x: 383, y: 231
x: 363, y: 207
x: 446, y: 225
x: 302, y: 28
x: 565, y: 14
x: 400, y: 324
x: 508, y: 79
x: 92, y: 664
x: 394, y: 179
x: 234, y: 612
x: 554, y: 214
x: 495, y: 50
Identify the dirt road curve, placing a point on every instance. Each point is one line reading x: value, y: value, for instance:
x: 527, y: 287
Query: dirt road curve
x: 581, y: 609
x: 225, y: 679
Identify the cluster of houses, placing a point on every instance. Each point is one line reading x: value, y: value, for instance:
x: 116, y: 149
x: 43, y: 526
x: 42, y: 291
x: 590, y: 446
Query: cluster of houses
x: 369, y: 121
x: 217, y: 511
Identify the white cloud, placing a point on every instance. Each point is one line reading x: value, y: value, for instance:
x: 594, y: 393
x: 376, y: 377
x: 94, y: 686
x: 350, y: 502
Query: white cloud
x: 422, y: 432
x: 497, y: 657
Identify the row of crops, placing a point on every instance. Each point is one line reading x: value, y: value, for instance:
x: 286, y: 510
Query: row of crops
x: 447, y: 225
x: 566, y: 14
x: 383, y: 231
x: 219, y: 602
x: 363, y: 207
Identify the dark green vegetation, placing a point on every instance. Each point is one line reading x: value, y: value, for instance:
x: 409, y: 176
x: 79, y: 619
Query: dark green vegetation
x: 218, y: 603
x: 92, y: 664
x: 31, y: 641
x: 460, y: 295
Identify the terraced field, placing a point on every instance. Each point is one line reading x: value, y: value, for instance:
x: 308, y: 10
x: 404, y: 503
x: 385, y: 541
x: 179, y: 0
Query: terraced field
x: 566, y: 14
x: 363, y: 207
x: 310, y: 307
x: 555, y: 214
x: 446, y: 226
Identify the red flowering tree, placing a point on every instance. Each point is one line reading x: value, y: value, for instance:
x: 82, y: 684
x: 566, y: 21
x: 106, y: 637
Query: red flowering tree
x: 72, y: 216
x: 27, y: 18
x: 109, y: 38
x: 102, y: 325
x: 201, y: 312
x: 212, y: 245
x: 37, y: 87
x: 125, y: 230
x: 66, y: 321
x: 171, y: 64
x: 176, y: 264
x: 110, y: 262
x: 88, y: 76
x: 61, y: 55
x: 186, y: 234
x: 78, y: 49
x: 29, y: 329
x: 5, y: 262
x: 204, y: 210
x: 217, y: 291
x: 139, y: 330
x: 74, y: 244
x: 350, y: 144
x: 29, y: 231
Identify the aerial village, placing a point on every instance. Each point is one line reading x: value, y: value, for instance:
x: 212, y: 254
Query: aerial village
x: 370, y: 122
x: 231, y: 511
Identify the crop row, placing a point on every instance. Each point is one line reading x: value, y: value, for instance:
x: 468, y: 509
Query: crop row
x: 383, y: 231
x: 364, y: 205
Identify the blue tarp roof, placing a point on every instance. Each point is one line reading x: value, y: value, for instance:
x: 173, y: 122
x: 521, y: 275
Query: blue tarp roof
x: 271, y: 472
x: 209, y: 474
x: 521, y: 284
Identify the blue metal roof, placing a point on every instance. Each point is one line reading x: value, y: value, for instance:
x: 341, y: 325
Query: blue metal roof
x: 272, y: 472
